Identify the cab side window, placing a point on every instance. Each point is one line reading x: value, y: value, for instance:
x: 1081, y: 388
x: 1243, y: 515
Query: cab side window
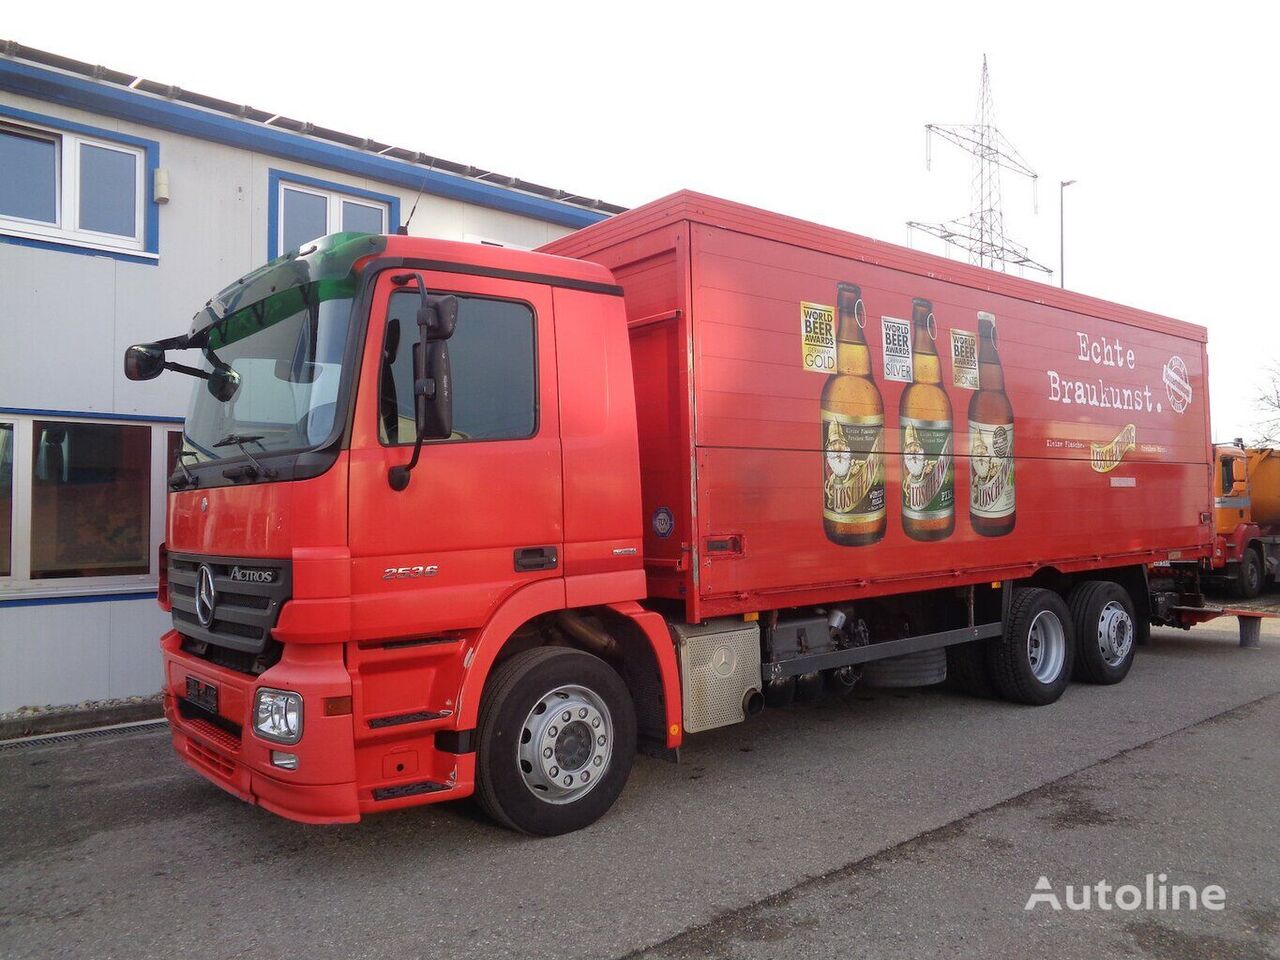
x: 493, y: 364
x: 1228, y: 475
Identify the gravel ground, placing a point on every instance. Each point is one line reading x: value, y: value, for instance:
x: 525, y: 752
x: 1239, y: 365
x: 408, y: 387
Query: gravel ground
x: 23, y: 713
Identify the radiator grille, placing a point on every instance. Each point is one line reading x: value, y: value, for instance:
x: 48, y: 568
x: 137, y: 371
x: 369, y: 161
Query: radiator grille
x: 245, y: 611
x: 719, y: 665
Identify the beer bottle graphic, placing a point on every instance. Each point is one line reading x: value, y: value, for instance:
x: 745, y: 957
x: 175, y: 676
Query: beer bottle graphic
x: 924, y: 415
x: 853, y: 507
x: 991, y: 492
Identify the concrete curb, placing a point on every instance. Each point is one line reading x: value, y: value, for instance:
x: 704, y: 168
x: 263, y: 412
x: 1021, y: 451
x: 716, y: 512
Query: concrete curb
x: 62, y: 720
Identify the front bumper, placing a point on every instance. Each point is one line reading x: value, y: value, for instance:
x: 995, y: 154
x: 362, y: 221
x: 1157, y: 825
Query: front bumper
x: 337, y: 779
x: 225, y: 750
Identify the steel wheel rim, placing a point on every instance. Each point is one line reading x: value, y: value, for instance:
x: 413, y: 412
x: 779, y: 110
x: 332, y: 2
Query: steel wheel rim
x: 1046, y: 646
x: 1115, y: 633
x: 566, y: 743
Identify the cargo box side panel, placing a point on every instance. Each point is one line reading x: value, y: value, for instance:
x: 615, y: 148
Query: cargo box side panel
x: 653, y: 272
x: 1105, y: 456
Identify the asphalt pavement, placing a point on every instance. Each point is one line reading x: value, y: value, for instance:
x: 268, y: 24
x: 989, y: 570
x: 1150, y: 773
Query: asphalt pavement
x: 899, y: 824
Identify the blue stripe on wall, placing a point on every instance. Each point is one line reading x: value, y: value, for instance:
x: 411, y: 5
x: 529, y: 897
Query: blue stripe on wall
x: 53, y: 601
x: 85, y: 415
x: 124, y: 104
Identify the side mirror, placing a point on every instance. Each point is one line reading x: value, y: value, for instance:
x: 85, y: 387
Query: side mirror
x: 432, y: 385
x: 437, y: 317
x: 224, y: 383
x: 432, y: 390
x: 144, y: 361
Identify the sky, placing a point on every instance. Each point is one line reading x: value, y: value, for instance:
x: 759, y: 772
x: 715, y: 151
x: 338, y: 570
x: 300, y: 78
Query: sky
x: 1162, y: 113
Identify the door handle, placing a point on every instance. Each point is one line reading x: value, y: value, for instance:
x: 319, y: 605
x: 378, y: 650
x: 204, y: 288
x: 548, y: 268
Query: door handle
x: 535, y: 558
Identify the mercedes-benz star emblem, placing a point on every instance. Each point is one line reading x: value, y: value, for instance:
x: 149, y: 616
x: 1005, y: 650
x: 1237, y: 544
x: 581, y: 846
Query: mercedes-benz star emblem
x: 206, y: 596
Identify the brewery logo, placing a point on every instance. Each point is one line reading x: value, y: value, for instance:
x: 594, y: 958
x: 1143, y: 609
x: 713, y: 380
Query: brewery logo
x: 897, y: 349
x: 1177, y: 383
x: 991, y: 487
x: 818, y: 333
x: 1105, y: 457
x: 664, y: 522
x: 853, y: 482
x: 964, y: 359
x: 928, y: 482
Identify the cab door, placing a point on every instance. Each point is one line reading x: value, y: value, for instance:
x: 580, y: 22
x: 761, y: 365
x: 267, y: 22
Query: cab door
x: 482, y: 515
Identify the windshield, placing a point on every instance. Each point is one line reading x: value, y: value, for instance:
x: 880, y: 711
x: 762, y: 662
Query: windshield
x: 287, y: 352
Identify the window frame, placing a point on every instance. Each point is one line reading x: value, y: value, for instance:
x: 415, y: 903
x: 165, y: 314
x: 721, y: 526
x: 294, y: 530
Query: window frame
x: 19, y: 585
x: 65, y: 232
x: 334, y: 193
x: 7, y: 421
x: 537, y: 383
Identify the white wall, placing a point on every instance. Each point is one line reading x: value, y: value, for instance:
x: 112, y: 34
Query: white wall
x: 65, y: 321
x: 213, y: 230
x: 71, y: 652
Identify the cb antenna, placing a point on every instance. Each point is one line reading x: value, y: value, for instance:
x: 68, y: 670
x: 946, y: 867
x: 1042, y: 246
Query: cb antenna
x: 403, y: 229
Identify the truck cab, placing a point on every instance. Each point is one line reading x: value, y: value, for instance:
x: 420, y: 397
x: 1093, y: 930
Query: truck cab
x: 1246, y: 519
x: 372, y: 512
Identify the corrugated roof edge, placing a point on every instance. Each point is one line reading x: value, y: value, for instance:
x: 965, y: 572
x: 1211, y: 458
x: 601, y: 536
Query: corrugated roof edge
x: 143, y: 88
x: 701, y: 208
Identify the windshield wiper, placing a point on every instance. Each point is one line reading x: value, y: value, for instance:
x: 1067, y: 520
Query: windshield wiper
x: 188, y: 479
x: 239, y: 440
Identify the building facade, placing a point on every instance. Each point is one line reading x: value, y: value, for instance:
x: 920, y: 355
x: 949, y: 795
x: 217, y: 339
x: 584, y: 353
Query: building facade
x: 125, y: 205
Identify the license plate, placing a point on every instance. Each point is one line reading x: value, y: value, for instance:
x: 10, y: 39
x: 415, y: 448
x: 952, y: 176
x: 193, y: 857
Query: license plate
x: 203, y: 695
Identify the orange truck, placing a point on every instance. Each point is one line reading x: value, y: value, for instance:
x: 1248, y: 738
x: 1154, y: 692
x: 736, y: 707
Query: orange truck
x: 1246, y: 552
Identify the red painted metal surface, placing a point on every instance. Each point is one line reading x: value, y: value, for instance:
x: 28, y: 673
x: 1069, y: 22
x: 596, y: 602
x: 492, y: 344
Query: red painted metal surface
x: 731, y: 422
x: 679, y: 453
x: 423, y: 648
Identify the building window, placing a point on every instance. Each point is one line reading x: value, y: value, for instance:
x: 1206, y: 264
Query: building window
x: 81, y: 503
x: 6, y: 499
x: 494, y: 391
x: 71, y: 188
x: 90, y: 499
x: 308, y: 212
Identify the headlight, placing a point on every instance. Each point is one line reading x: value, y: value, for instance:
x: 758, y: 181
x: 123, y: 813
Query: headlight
x: 277, y: 715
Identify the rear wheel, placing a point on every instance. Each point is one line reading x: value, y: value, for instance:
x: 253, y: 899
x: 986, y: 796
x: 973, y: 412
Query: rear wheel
x: 1106, y: 629
x: 1031, y: 661
x: 1249, y: 577
x: 555, y: 741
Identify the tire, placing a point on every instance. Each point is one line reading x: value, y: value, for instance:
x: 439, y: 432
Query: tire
x: 1039, y: 620
x: 1106, y: 631
x: 1248, y: 582
x: 513, y: 783
x: 967, y: 669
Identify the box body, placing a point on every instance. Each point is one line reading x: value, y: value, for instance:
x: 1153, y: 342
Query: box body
x: 734, y: 322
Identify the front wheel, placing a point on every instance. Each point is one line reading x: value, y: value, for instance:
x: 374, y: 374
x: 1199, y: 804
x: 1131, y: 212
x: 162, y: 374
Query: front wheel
x: 1249, y: 576
x: 555, y: 741
x: 1031, y: 661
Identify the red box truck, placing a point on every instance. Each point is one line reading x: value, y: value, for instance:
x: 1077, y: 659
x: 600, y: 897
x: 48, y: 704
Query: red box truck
x: 452, y: 518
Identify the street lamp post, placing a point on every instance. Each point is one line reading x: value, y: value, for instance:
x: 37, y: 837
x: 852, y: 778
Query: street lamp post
x: 1062, y: 279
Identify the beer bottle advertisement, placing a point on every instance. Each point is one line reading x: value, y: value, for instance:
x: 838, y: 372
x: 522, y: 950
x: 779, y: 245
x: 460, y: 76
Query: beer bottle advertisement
x: 991, y: 464
x: 928, y: 471
x: 853, y: 501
